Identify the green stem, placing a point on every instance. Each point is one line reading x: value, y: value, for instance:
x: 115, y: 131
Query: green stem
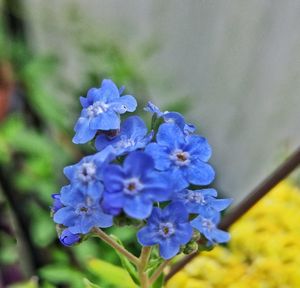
x: 158, y: 272
x: 108, y: 240
x: 144, y: 258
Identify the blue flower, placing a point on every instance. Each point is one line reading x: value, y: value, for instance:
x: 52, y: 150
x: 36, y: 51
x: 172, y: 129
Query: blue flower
x: 132, y: 136
x: 184, y: 156
x: 199, y: 201
x: 82, y: 211
x: 134, y: 187
x: 68, y: 239
x: 101, y: 111
x: 56, y: 203
x: 169, y: 228
x: 171, y: 117
x: 206, y: 224
x: 87, y: 174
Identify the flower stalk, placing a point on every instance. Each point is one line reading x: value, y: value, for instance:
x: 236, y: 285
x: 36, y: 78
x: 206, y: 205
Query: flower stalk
x: 108, y: 240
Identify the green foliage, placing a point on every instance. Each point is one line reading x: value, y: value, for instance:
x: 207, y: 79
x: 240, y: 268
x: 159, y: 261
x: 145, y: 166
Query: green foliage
x: 109, y: 274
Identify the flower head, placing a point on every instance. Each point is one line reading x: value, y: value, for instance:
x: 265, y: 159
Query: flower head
x: 82, y: 211
x: 134, y: 187
x: 87, y: 174
x: 101, y: 111
x: 169, y: 228
x: 207, y: 223
x: 132, y: 136
x: 199, y: 201
x: 68, y: 239
x: 184, y: 156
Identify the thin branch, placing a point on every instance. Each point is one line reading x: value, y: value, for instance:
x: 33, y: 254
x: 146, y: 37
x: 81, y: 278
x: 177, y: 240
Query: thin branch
x: 288, y: 166
x: 108, y: 240
x: 158, y: 272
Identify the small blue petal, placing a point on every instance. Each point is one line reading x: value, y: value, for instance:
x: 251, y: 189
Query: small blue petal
x: 109, y: 90
x: 83, y: 132
x: 138, y: 163
x: 198, y: 147
x: 170, y: 135
x: 137, y: 207
x: 124, y: 104
x: 147, y: 237
x: 68, y: 239
x: 105, y: 121
x: 201, y: 173
x: 160, y: 154
x: 168, y: 249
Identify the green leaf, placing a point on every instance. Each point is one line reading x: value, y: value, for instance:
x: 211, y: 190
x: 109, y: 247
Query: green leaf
x: 159, y: 282
x: 88, y: 284
x: 110, y: 274
x: 126, y: 263
x: 61, y: 274
x: 30, y: 284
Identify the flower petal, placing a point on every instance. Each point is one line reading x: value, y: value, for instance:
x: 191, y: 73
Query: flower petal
x: 134, y: 127
x: 137, y: 207
x: 109, y: 91
x: 168, y: 249
x: 65, y: 216
x: 198, y: 147
x: 83, y: 132
x: 170, y: 135
x: 138, y: 163
x: 108, y: 120
x: 124, y: 104
x: 200, y: 173
x: 160, y: 155
x: 147, y: 237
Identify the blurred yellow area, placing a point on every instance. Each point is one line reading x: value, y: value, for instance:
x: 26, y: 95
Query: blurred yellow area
x: 264, y: 251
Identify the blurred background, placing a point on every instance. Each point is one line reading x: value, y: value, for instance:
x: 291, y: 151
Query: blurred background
x: 231, y: 67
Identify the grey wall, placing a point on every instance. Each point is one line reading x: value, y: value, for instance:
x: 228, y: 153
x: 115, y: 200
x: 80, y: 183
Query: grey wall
x: 236, y: 62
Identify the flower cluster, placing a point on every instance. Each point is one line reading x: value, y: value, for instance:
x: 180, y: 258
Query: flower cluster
x: 265, y: 261
x: 156, y: 177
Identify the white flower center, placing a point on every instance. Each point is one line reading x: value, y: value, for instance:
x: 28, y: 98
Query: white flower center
x: 180, y: 157
x: 196, y: 197
x: 208, y: 224
x: 166, y: 229
x: 97, y: 108
x: 132, y: 186
x: 87, y: 172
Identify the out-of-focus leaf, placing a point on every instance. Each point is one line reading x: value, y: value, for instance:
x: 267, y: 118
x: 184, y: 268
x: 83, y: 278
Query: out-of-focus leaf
x: 33, y: 283
x: 88, y: 284
x: 110, y: 274
x: 42, y: 237
x: 126, y: 263
x: 61, y: 274
x: 159, y: 282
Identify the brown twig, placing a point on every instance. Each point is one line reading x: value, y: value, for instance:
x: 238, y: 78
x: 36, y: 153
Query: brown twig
x: 239, y: 210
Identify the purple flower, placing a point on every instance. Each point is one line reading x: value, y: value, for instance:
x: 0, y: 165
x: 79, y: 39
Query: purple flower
x: 199, y: 201
x: 68, y: 239
x: 169, y: 228
x: 184, y: 156
x: 207, y: 223
x: 132, y: 136
x: 101, y: 111
x: 82, y: 211
x: 134, y: 187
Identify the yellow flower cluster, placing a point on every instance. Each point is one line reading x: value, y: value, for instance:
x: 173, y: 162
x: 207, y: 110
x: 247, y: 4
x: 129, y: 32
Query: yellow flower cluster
x: 264, y: 251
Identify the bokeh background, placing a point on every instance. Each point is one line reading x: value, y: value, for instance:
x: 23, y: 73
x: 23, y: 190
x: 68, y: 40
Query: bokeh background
x: 232, y: 67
